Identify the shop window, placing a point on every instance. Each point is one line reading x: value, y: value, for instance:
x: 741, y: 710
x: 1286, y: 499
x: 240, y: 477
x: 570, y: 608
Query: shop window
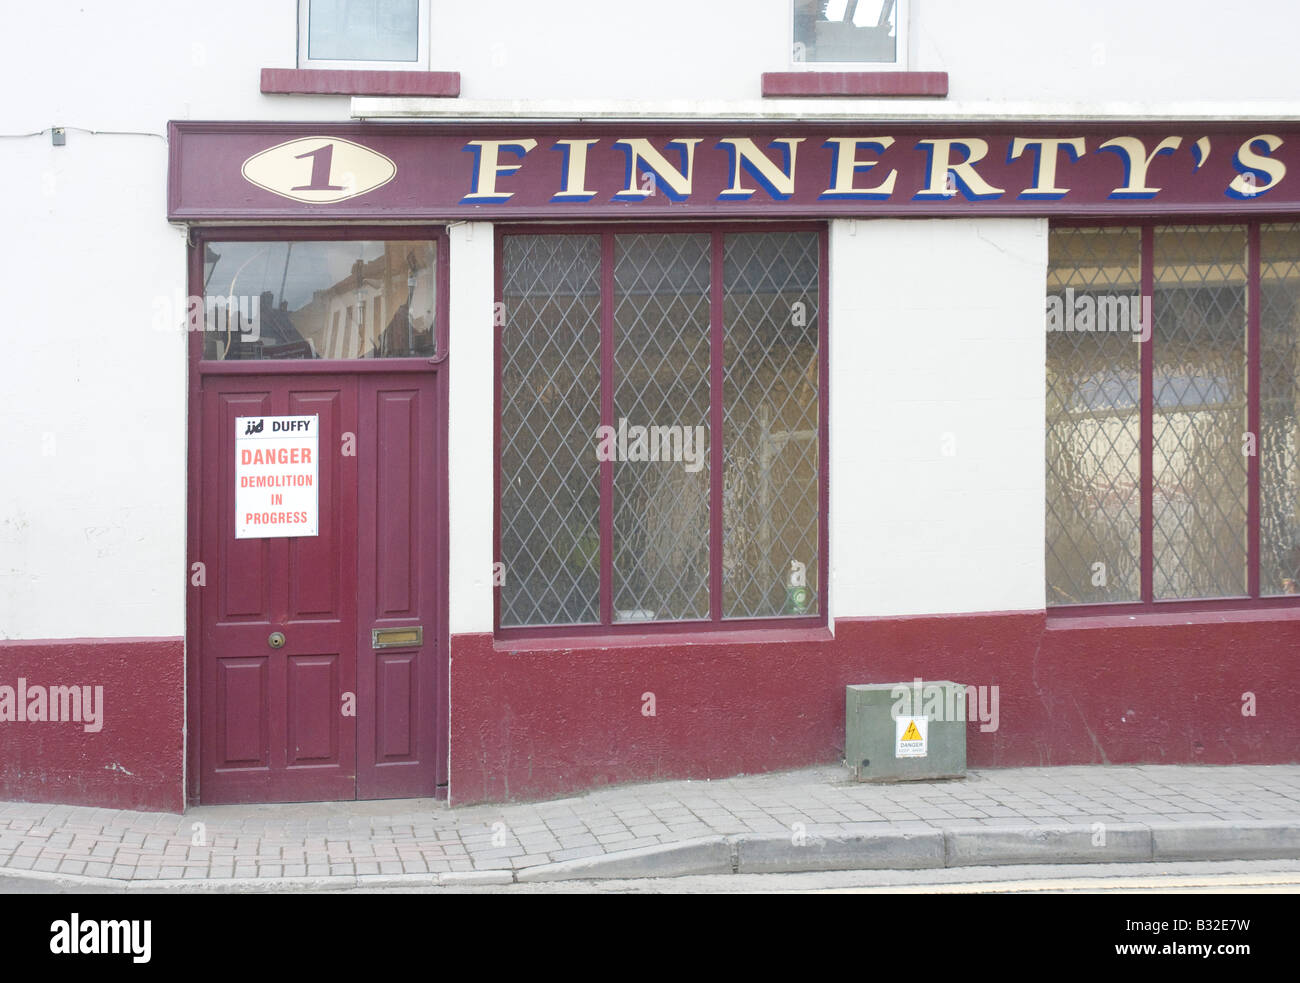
x: 277, y: 299
x: 378, y: 34
x: 1279, y: 409
x: 1173, y: 407
x: 850, y: 33
x: 631, y: 364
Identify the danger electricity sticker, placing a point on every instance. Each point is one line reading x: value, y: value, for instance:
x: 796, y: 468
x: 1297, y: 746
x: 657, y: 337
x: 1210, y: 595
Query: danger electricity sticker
x: 276, y: 476
x: 911, y: 735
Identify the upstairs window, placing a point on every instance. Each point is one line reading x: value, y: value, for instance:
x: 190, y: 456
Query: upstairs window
x: 850, y: 34
x: 363, y: 34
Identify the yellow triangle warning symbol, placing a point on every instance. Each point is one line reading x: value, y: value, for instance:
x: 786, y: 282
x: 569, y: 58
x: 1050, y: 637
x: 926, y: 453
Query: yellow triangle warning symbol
x: 911, y: 734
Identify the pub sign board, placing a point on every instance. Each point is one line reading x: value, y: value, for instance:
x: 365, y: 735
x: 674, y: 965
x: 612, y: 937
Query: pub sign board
x: 277, y: 476
x: 540, y: 170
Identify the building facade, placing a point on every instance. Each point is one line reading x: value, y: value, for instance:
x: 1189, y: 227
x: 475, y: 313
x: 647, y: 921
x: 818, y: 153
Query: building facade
x: 410, y: 402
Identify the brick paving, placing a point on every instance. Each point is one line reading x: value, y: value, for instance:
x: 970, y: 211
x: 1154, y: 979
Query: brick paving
x: 425, y: 837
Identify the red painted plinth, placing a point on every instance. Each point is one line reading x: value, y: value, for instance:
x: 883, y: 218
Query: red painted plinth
x: 315, y: 81
x: 532, y: 723
x: 134, y: 760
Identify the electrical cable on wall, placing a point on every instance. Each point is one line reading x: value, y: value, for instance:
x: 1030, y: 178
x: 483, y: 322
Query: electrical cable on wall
x: 82, y: 129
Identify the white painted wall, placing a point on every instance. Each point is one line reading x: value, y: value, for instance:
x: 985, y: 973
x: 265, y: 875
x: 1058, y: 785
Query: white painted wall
x: 1078, y: 51
x: 92, y: 485
x: 937, y: 345
x: 470, y: 426
x: 129, y: 62
x: 135, y: 64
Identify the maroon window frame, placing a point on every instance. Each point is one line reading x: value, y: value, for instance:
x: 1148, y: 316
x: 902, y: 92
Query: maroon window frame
x: 607, y: 626
x: 1149, y: 604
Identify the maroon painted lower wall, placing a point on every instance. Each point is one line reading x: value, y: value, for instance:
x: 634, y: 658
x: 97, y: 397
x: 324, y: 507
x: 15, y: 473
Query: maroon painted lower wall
x: 536, y: 721
x: 531, y: 722
x: 134, y: 760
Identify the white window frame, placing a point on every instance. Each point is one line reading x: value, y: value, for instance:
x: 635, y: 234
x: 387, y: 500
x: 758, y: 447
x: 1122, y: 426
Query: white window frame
x: 902, y: 42
x: 421, y: 63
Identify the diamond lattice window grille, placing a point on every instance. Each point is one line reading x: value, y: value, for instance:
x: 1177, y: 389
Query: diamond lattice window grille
x: 1199, y: 472
x: 771, y: 394
x: 661, y: 356
x: 550, y: 409
x: 1279, y: 437
x: 1093, y: 417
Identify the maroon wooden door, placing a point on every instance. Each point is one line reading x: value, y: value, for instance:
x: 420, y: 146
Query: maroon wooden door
x: 400, y: 689
x: 327, y: 715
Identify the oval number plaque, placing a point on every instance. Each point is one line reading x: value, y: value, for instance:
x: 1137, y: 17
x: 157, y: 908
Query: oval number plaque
x: 319, y: 169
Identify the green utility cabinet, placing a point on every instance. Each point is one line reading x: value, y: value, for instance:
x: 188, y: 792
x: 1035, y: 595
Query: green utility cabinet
x: 898, y: 732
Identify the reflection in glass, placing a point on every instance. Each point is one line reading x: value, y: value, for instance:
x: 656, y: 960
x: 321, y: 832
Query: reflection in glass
x: 363, y: 30
x: 340, y: 300
x: 845, y: 31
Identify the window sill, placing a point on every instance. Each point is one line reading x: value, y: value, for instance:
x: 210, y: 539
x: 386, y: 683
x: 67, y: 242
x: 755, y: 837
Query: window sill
x: 611, y: 640
x: 330, y: 82
x: 813, y: 84
x: 1066, y: 620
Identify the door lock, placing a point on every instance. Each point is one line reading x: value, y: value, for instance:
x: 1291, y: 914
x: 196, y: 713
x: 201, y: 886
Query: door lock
x: 276, y: 640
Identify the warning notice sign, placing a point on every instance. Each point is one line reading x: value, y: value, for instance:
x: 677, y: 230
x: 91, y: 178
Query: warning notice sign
x: 276, y: 475
x: 911, y: 733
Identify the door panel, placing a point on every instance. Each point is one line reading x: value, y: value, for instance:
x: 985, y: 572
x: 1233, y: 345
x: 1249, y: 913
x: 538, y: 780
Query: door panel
x: 243, y: 705
x: 314, y: 695
x: 396, y: 581
x: 397, y: 688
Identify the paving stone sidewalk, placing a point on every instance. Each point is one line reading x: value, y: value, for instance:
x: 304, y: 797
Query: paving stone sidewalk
x: 812, y: 818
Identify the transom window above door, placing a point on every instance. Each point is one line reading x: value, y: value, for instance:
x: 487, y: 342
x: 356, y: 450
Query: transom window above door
x: 319, y: 299
x: 660, y: 433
